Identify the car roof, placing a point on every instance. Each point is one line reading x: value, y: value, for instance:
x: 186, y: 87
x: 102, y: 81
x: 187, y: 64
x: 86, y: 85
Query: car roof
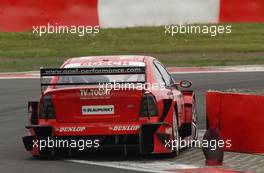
x: 113, y: 58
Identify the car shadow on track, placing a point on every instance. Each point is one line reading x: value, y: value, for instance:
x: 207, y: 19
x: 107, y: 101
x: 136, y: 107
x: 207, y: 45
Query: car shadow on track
x: 113, y: 154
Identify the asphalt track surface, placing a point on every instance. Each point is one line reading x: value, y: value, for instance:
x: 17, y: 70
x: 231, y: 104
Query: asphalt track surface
x: 15, y: 93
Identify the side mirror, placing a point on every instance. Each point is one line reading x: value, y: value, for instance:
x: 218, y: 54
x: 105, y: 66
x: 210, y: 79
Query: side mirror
x: 185, y: 84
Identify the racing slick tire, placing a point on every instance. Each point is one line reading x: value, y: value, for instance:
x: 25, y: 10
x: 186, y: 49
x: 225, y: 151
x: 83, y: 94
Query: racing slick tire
x: 175, y: 136
x: 194, y: 121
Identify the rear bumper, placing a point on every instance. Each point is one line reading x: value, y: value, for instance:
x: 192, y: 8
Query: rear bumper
x: 148, y: 137
x: 85, y: 129
x: 96, y: 129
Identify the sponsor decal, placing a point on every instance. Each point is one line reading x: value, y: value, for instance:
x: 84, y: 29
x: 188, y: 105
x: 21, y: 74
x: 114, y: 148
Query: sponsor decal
x: 98, y: 109
x: 72, y: 65
x: 92, y: 70
x: 71, y: 129
x: 125, y: 128
x: 113, y: 63
x: 98, y: 93
x: 133, y: 63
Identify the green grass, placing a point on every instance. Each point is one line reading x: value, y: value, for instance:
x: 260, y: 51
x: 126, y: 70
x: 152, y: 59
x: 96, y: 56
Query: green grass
x: 26, y: 51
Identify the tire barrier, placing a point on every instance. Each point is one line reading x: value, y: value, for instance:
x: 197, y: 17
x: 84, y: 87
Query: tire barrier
x: 213, y: 156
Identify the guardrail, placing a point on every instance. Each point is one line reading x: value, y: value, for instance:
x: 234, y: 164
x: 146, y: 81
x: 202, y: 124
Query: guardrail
x: 240, y: 118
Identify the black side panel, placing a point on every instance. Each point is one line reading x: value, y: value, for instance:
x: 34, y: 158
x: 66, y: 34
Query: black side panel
x: 33, y: 110
x: 185, y: 130
x: 43, y: 132
x: 167, y: 104
x: 147, y: 137
x: 28, y: 142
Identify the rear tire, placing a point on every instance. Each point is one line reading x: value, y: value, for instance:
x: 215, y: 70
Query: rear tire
x: 194, y: 121
x: 175, y: 135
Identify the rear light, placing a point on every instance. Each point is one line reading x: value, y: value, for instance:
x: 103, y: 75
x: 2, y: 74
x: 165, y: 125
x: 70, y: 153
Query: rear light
x: 148, y: 105
x: 46, y: 108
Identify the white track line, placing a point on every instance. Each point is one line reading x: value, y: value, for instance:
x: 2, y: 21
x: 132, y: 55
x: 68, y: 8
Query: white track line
x: 158, y: 166
x: 225, y: 69
x: 151, y: 166
x: 23, y: 72
x: 117, y: 166
x: 29, y: 77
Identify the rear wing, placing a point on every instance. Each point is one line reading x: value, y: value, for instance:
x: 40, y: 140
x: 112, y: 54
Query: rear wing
x: 109, y: 70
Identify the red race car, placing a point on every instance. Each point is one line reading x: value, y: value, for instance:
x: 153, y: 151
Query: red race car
x: 111, y: 101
